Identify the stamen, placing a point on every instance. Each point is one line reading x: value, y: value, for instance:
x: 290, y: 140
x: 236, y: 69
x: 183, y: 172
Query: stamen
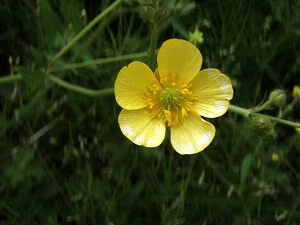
x: 171, y: 101
x: 183, y: 112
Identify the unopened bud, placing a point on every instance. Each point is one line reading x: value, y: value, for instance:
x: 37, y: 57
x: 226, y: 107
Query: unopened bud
x: 83, y: 13
x: 196, y: 37
x: 278, y: 97
x: 148, y: 13
x: 10, y: 61
x: 296, y: 92
x: 275, y: 157
x: 262, y: 126
x: 160, y: 16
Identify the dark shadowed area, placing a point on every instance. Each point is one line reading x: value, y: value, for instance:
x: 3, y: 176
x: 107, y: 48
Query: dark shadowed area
x: 63, y: 158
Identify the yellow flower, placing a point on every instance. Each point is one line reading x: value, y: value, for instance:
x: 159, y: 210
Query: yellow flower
x: 176, y: 95
x: 296, y: 92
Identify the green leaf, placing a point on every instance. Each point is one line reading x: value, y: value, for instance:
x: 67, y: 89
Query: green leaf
x: 245, y: 168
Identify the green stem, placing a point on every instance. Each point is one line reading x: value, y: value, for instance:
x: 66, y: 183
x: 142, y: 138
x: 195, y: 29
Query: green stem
x: 98, y: 61
x: 282, y: 121
x: 264, y: 106
x: 153, y: 40
x: 79, y: 89
x: 295, y: 205
x: 290, y: 166
x: 239, y: 110
x: 289, y: 107
x: 17, y: 77
x: 97, y: 32
x: 85, y: 30
x: 10, y: 78
x: 256, y: 150
x: 246, y: 113
x: 244, y: 205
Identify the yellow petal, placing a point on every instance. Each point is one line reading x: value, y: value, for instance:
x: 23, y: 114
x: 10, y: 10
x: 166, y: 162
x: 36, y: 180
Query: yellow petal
x: 131, y: 83
x: 179, y: 57
x: 138, y: 127
x: 193, y: 135
x: 213, y: 91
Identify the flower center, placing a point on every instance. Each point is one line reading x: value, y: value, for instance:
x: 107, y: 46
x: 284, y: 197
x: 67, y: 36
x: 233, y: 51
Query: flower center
x: 170, y: 98
x: 171, y: 101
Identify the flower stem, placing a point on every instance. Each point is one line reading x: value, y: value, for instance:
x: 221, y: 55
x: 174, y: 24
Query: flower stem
x: 17, y: 77
x: 10, y: 78
x: 293, y: 210
x: 97, y: 61
x: 264, y: 106
x: 246, y: 113
x: 153, y: 40
x: 239, y: 110
x: 244, y: 205
x: 85, y: 30
x: 79, y: 89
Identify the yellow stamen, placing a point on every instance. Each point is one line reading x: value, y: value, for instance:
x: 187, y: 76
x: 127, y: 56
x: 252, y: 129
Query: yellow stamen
x: 171, y: 101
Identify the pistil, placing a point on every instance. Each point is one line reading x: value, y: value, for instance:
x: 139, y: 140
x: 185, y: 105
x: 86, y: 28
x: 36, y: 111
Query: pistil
x: 171, y: 101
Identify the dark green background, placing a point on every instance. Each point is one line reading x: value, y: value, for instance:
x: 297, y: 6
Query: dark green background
x: 63, y: 158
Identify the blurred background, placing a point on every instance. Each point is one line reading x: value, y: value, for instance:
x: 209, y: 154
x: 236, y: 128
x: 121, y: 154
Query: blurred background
x: 63, y: 158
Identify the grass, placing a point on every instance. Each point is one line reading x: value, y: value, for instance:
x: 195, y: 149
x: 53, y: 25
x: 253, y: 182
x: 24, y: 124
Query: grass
x: 63, y: 159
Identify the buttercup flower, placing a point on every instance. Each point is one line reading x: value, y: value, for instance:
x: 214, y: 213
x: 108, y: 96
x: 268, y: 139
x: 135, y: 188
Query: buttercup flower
x: 176, y: 95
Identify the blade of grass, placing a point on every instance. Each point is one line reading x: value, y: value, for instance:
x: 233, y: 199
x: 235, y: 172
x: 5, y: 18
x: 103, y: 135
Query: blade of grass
x: 98, y: 61
x: 80, y: 89
x: 85, y: 30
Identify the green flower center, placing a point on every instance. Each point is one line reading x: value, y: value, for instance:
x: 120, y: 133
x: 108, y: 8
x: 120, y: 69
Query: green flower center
x: 171, y: 98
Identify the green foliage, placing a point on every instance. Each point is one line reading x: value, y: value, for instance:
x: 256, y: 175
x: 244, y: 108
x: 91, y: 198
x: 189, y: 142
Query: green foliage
x: 245, y: 168
x: 63, y: 159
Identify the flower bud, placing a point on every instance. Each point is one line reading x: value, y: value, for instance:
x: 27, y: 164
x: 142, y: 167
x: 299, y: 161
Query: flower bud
x: 262, y: 126
x: 153, y: 15
x: 196, y: 37
x: 10, y: 61
x: 275, y: 157
x: 148, y: 13
x: 160, y: 17
x: 278, y: 97
x: 296, y: 92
